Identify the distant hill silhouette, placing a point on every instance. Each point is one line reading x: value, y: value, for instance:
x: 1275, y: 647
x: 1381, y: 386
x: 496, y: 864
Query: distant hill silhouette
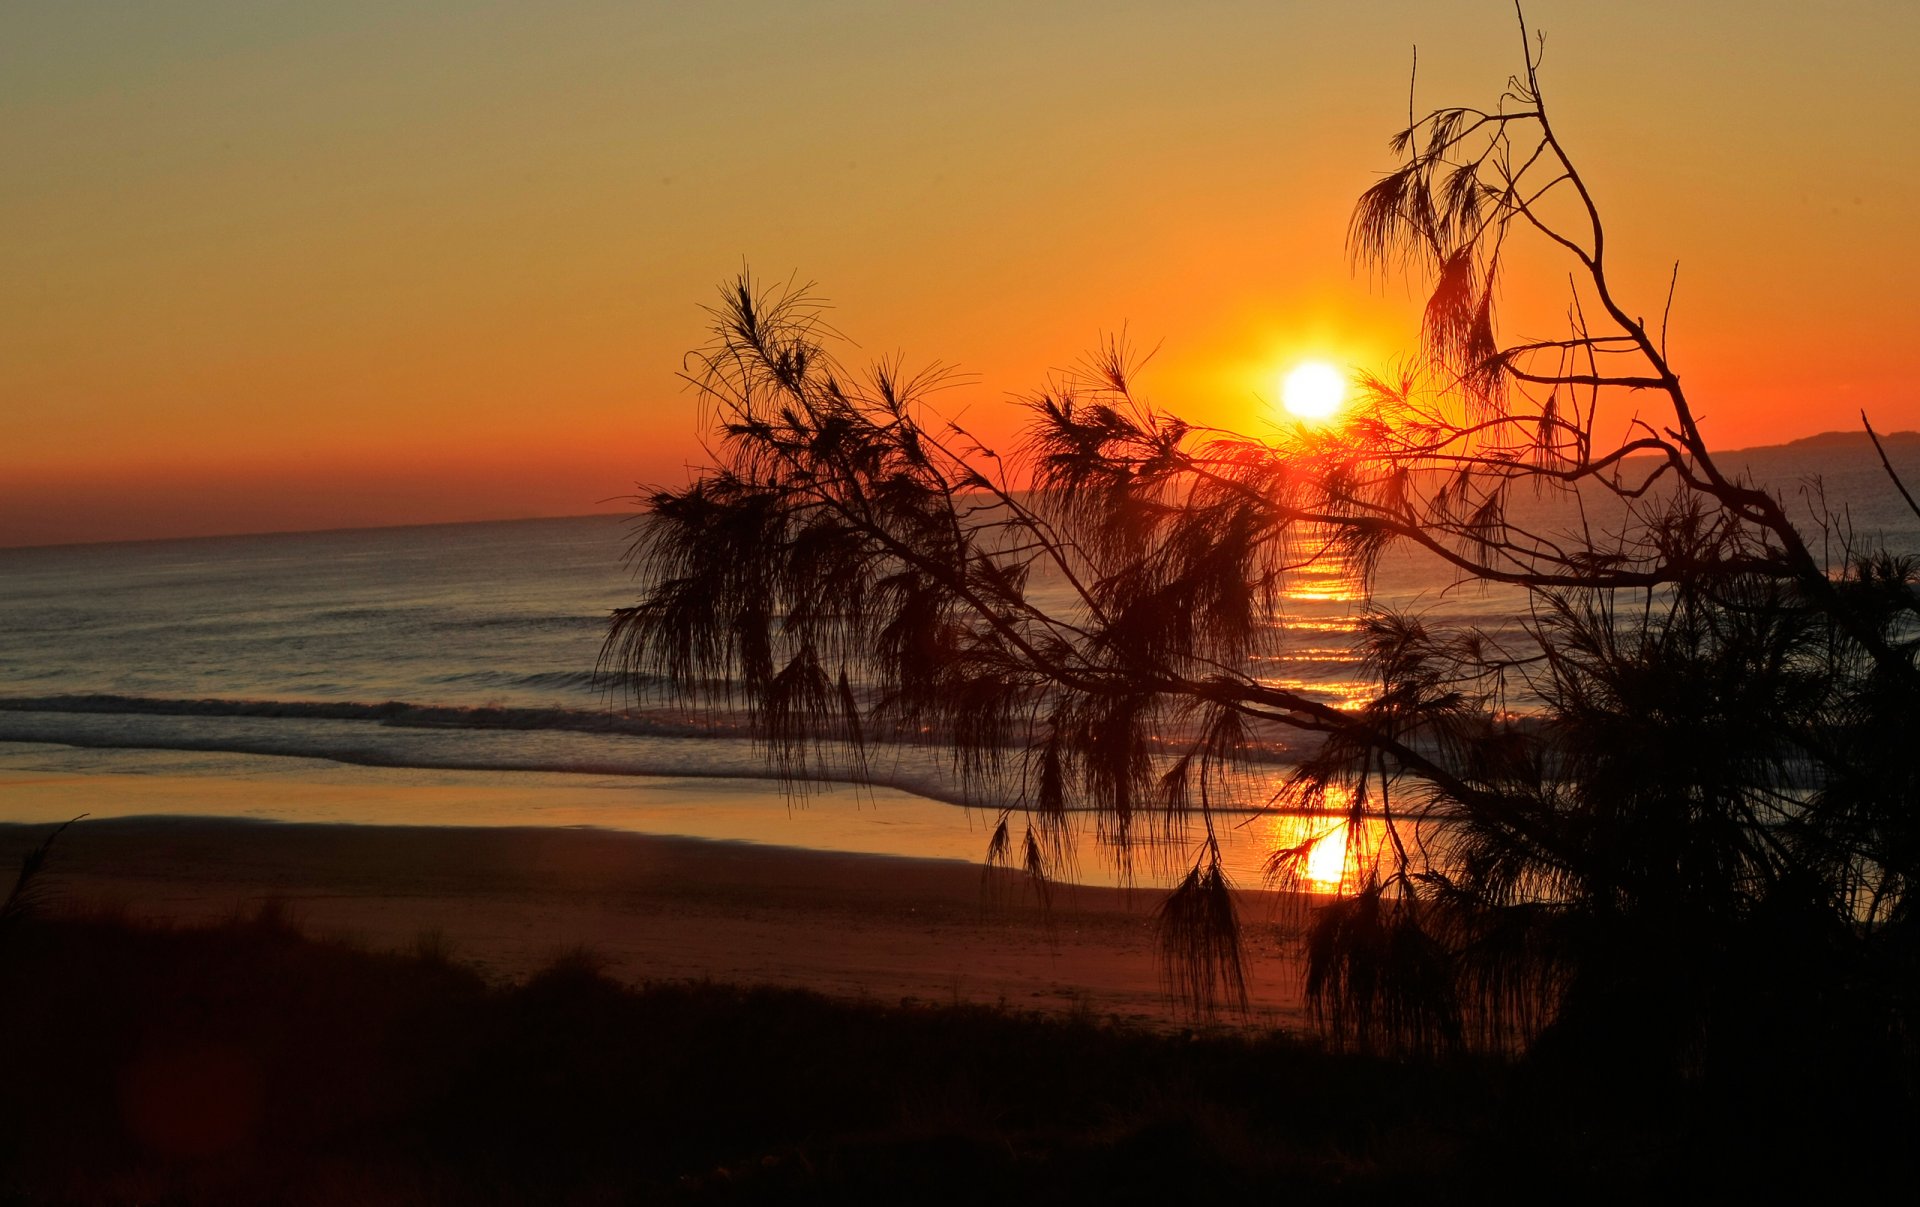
x: 1837, y: 442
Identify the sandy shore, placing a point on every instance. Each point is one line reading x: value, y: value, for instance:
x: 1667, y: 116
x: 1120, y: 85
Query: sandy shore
x: 508, y: 900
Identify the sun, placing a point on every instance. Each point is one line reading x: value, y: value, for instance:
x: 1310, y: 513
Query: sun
x: 1313, y: 390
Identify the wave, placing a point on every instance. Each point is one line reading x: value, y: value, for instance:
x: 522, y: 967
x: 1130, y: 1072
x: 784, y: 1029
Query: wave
x: 397, y: 713
x: 444, y: 737
x: 403, y: 715
x: 565, y: 680
x: 568, y: 623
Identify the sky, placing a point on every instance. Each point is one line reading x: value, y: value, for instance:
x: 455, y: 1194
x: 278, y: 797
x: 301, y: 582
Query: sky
x: 277, y: 266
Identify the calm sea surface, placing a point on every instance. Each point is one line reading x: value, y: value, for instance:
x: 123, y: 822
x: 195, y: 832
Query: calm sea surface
x: 464, y: 654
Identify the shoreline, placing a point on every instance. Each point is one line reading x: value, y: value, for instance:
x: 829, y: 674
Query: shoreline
x: 46, y: 783
x: 508, y: 900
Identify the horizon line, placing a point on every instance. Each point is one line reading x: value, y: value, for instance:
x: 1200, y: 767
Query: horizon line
x: 1903, y: 436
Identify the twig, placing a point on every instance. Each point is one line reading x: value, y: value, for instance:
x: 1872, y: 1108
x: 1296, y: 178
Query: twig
x: 1888, y: 465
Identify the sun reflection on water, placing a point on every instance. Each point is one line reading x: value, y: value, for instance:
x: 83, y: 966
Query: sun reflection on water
x: 1323, y: 584
x: 1322, y: 852
x: 1318, y: 617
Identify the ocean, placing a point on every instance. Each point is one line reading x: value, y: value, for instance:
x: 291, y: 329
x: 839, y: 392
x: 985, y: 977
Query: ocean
x: 445, y: 675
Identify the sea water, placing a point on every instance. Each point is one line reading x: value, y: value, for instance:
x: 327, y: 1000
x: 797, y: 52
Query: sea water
x: 460, y: 659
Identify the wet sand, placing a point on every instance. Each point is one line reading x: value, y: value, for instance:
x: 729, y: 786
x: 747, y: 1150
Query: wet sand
x: 507, y: 900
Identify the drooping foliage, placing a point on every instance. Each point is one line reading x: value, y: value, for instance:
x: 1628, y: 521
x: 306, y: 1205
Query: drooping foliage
x: 1676, y: 806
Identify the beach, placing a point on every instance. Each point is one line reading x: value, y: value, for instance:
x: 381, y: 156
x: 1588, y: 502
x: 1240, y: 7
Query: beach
x: 508, y: 901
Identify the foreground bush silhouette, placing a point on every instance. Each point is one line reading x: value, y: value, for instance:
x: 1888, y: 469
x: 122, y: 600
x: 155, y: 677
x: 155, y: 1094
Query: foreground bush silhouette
x: 246, y: 1063
x: 1665, y: 822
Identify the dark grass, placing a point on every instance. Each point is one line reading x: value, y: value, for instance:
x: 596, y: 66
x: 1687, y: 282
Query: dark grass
x: 249, y: 1063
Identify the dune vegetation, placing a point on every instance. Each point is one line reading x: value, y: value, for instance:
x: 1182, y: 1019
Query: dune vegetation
x: 245, y: 1062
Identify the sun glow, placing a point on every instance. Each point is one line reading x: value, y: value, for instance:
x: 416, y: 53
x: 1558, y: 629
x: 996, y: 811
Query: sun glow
x: 1313, y: 390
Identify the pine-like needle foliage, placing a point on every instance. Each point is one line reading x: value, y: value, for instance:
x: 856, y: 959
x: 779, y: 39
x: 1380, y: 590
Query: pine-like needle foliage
x: 1698, y: 829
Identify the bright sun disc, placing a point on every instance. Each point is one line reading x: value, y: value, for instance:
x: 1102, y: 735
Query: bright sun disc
x: 1314, y: 390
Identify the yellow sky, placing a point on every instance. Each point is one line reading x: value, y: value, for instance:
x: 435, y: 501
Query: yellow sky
x: 297, y: 265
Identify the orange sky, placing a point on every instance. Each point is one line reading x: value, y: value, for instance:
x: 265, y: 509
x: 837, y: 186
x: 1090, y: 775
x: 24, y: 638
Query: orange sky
x: 290, y: 266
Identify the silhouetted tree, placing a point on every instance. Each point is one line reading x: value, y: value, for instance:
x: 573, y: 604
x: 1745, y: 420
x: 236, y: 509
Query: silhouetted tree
x: 1675, y: 806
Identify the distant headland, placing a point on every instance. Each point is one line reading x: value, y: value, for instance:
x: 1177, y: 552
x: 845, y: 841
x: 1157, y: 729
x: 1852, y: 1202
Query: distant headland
x: 1837, y: 441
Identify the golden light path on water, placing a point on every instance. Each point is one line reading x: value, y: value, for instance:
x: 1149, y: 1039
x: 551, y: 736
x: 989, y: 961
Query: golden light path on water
x: 1320, y: 604
x: 1328, y: 851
